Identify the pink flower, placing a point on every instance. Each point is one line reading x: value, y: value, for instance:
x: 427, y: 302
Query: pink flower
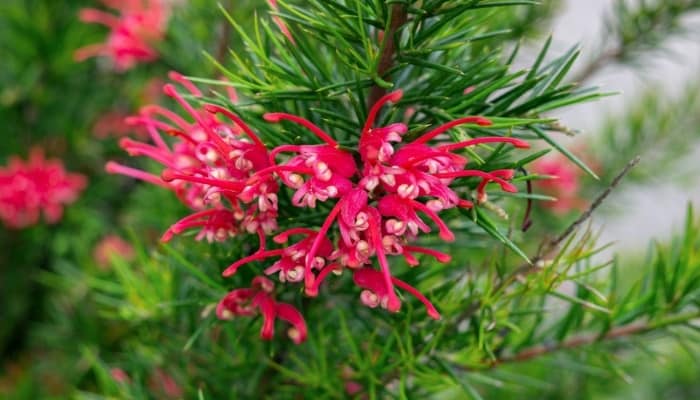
x: 376, y: 292
x: 209, y: 167
x: 163, y: 385
x: 139, y: 25
x: 37, y: 186
x: 119, y: 375
x: 259, y: 298
x: 329, y: 168
x: 565, y: 183
x: 379, y: 202
x: 112, y: 246
x: 353, y: 388
x: 383, y: 195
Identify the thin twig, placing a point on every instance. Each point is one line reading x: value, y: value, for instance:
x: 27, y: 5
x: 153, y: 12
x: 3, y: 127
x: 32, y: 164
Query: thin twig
x: 398, y: 17
x: 552, y: 244
x: 636, y: 328
x: 603, y: 60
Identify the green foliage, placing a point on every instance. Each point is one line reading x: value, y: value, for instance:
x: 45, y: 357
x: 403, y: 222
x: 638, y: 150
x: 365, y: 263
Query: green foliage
x: 515, y: 323
x: 662, y: 130
x: 639, y: 27
x: 644, y: 25
x: 337, y: 62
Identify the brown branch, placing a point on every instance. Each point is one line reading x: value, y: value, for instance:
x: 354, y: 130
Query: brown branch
x: 223, y: 44
x: 552, y: 244
x: 398, y: 17
x: 617, y: 54
x: 603, y: 60
x: 547, y: 247
x: 578, y: 341
x: 636, y: 328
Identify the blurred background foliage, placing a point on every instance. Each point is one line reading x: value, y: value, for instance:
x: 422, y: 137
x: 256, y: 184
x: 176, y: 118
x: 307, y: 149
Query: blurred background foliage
x: 141, y: 325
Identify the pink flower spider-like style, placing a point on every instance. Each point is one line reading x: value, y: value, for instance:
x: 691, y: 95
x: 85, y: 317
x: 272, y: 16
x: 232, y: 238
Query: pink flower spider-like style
x: 208, y: 167
x: 259, y: 298
x: 139, y: 25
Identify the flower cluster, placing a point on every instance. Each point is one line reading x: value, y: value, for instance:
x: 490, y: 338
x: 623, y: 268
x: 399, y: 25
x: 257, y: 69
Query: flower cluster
x: 28, y: 189
x: 565, y: 183
x: 381, y: 193
x: 139, y: 25
x: 259, y: 297
x: 207, y: 167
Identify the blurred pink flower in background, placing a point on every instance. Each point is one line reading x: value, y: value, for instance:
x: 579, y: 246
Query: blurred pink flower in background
x: 152, y: 91
x: 113, y: 124
x: 161, y: 384
x: 281, y: 25
x: 119, y: 375
x: 112, y: 246
x: 139, y: 25
x: 164, y: 386
x: 28, y: 189
x: 565, y: 183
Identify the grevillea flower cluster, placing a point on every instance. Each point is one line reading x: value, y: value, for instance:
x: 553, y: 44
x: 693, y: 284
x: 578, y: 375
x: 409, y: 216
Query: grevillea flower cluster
x: 133, y: 32
x: 34, y: 187
x: 382, y: 195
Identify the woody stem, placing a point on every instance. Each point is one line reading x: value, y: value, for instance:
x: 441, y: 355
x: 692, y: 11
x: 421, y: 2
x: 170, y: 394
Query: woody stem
x: 397, y: 17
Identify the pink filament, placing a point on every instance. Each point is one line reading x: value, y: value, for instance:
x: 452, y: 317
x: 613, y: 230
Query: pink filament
x: 442, y: 128
x: 432, y: 312
x: 308, y: 276
x: 169, y: 175
x: 212, y: 108
x: 506, y: 186
x: 521, y: 144
x: 284, y: 236
x: 116, y: 168
x: 283, y: 148
x: 179, y: 78
x: 445, y: 232
x: 141, y: 149
x: 279, y: 168
x: 393, y: 302
x: 148, y: 121
x: 276, y: 117
x: 155, y: 136
x: 313, y: 290
x: 99, y: 17
x: 393, y: 97
x: 440, y: 256
x: 258, y: 255
x: 186, y: 222
x: 152, y: 109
